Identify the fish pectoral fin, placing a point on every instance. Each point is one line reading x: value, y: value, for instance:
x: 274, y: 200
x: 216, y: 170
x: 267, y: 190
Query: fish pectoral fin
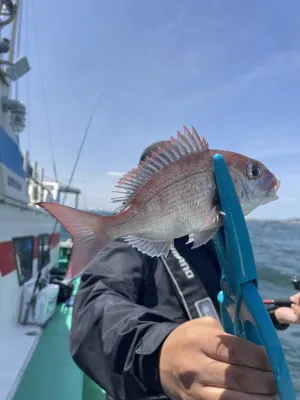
x: 152, y: 248
x: 203, y: 237
x: 209, y: 228
x: 213, y: 218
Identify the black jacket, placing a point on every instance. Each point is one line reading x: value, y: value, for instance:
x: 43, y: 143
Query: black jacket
x: 123, y: 311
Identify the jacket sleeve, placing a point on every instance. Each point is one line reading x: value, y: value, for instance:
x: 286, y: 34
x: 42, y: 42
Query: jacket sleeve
x: 277, y: 325
x: 113, y: 339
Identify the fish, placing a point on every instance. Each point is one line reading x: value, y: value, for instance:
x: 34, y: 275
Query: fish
x: 172, y: 193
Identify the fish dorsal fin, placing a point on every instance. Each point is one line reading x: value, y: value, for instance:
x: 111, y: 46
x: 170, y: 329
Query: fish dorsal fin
x: 187, y: 143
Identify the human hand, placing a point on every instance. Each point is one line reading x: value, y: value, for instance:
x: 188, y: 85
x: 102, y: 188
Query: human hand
x: 289, y: 315
x: 199, y: 361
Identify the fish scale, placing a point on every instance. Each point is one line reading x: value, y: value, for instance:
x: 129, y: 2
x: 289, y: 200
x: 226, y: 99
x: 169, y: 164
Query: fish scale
x: 177, y: 210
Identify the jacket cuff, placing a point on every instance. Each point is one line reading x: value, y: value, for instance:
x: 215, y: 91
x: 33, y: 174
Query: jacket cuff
x: 276, y: 323
x: 148, y: 353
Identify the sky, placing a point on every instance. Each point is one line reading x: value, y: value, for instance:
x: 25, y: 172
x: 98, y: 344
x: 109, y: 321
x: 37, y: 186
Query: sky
x: 230, y: 68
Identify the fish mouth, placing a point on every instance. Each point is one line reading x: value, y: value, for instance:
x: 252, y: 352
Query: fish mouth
x: 274, y: 187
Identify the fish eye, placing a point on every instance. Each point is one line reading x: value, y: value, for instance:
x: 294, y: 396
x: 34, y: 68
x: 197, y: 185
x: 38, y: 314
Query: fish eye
x: 254, y: 171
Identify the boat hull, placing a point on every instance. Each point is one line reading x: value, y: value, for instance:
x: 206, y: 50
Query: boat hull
x: 17, y: 341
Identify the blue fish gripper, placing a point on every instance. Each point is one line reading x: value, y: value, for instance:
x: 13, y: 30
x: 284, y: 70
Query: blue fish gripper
x: 243, y: 312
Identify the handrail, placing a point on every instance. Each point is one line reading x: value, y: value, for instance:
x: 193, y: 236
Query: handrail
x: 37, y: 182
x: 18, y: 203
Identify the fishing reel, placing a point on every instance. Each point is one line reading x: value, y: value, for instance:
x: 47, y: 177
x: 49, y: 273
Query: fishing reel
x: 296, y: 282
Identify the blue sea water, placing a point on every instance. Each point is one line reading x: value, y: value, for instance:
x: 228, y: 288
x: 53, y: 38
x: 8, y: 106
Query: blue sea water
x: 276, y: 247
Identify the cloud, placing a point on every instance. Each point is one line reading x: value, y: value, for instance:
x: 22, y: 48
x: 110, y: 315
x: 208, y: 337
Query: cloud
x: 273, y: 147
x: 115, y: 173
x: 276, y: 65
x: 280, y: 63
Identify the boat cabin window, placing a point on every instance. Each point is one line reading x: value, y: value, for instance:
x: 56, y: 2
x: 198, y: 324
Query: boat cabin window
x: 23, y: 252
x: 44, y: 251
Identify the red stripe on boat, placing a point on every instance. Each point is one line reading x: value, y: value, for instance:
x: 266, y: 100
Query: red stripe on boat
x: 54, y: 240
x: 35, y: 247
x: 7, y: 260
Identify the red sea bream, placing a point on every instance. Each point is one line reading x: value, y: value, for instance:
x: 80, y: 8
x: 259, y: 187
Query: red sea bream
x: 169, y: 195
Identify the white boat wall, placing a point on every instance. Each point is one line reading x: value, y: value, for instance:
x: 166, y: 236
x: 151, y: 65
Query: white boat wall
x: 29, y: 237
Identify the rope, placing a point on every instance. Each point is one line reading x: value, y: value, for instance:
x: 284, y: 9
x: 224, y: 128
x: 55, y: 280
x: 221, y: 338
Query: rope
x: 43, y: 91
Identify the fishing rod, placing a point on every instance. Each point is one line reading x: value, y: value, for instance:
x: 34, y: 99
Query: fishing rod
x: 284, y: 302
x: 37, y: 284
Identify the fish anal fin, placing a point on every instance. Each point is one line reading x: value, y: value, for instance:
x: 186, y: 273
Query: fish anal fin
x: 150, y: 247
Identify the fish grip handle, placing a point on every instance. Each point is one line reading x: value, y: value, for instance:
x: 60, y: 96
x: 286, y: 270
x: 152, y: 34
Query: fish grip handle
x: 243, y: 312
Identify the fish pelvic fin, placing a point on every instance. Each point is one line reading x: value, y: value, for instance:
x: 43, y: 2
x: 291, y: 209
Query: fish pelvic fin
x: 90, y: 234
x: 168, y: 153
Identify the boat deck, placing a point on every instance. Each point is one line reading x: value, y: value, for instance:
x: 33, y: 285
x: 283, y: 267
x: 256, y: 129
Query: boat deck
x: 51, y: 373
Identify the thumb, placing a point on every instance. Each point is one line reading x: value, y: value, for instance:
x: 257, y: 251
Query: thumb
x: 210, y: 322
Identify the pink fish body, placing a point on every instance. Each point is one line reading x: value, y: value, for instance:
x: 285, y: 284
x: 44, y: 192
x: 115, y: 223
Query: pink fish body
x: 169, y: 195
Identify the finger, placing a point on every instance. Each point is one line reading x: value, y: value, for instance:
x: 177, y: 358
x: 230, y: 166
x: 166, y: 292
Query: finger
x: 295, y: 298
x: 211, y: 322
x: 295, y: 307
x: 285, y: 315
x: 296, y: 310
x: 242, y: 379
x: 234, y: 350
x: 212, y: 393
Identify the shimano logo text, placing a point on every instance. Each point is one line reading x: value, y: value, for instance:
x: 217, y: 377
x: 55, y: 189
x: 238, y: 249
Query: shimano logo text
x: 183, y: 264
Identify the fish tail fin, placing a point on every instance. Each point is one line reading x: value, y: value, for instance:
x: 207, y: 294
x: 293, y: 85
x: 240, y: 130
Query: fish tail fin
x: 90, y: 234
